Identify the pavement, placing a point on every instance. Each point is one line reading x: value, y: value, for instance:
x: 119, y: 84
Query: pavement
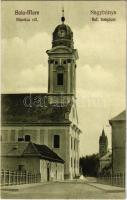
x: 108, y: 188
x: 71, y: 189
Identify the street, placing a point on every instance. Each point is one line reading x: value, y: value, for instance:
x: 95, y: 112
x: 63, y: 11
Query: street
x: 62, y: 190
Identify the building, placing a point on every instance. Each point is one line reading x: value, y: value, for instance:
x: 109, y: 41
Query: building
x: 106, y: 163
x: 118, y: 125
x: 51, y: 118
x: 103, y: 144
x: 32, y: 158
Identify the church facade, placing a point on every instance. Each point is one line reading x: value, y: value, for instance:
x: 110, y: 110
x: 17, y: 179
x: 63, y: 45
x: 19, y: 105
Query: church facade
x: 49, y: 118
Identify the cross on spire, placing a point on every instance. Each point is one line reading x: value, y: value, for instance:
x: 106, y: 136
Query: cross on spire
x: 63, y: 18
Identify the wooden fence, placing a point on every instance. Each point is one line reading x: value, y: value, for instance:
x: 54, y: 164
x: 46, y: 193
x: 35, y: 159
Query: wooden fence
x: 16, y: 178
x: 116, y: 180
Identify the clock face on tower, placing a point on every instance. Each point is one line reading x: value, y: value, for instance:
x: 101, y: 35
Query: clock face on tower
x: 61, y: 33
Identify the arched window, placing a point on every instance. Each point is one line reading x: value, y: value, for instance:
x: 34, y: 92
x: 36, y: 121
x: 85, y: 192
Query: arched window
x: 60, y: 75
x: 56, y: 141
x: 56, y: 62
x: 27, y: 138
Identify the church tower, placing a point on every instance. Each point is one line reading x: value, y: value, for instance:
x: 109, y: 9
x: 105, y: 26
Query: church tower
x: 64, y: 135
x: 103, y: 144
x: 62, y: 61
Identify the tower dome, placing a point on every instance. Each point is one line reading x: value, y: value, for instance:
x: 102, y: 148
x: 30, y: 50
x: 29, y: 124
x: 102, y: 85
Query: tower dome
x: 63, y: 35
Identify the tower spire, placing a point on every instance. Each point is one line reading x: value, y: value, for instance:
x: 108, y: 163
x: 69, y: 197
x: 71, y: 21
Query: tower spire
x: 103, y: 132
x: 63, y: 18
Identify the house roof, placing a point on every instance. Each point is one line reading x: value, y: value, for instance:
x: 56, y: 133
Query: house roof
x: 47, y: 153
x: 28, y: 149
x: 119, y: 117
x: 13, y: 148
x: 107, y: 156
x: 32, y: 109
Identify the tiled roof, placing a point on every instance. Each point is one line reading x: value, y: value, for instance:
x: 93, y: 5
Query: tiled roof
x: 28, y: 149
x: 13, y: 148
x: 119, y: 117
x: 47, y: 153
x: 13, y: 110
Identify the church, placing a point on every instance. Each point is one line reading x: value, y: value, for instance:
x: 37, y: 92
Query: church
x: 105, y: 156
x: 51, y: 118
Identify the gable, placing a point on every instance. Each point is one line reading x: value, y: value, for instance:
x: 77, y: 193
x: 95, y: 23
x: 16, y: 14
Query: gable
x: 30, y: 150
x: 120, y: 117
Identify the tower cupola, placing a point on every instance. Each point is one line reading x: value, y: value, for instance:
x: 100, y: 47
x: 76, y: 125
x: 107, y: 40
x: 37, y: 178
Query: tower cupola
x: 63, y: 35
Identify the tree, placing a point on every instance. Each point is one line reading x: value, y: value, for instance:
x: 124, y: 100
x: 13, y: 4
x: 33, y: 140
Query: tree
x: 89, y: 165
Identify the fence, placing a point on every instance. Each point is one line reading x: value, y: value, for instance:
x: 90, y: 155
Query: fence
x: 17, y: 178
x: 116, y: 180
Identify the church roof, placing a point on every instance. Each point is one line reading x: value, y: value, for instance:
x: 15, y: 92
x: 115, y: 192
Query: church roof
x: 28, y: 149
x: 103, y: 138
x: 107, y: 156
x: 32, y: 109
x: 63, y: 27
x: 119, y: 117
x: 63, y: 36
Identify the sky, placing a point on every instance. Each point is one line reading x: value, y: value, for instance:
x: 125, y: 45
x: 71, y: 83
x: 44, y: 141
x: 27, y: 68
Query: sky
x: 100, y: 68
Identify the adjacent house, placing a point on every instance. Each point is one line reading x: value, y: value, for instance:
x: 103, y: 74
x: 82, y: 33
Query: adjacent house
x: 106, y: 163
x: 118, y: 124
x: 32, y: 158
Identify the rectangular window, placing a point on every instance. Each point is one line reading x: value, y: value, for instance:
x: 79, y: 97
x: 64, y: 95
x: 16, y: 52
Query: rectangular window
x: 56, y: 141
x: 60, y: 79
